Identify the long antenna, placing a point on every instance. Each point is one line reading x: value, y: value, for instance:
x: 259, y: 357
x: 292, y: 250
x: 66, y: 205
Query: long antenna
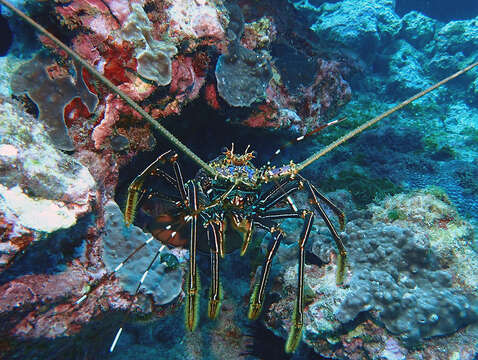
x: 371, y: 122
x: 172, y: 139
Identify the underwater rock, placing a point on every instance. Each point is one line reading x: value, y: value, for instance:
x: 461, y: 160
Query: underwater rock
x: 164, y: 280
x: 200, y: 20
x: 418, y: 29
x: 292, y: 105
x: 455, y: 46
x: 405, y: 73
x: 52, y: 90
x: 259, y: 34
x: 362, y: 26
x: 242, y: 76
x: 450, y: 237
x: 408, y: 274
x: 44, y: 189
x: 153, y: 56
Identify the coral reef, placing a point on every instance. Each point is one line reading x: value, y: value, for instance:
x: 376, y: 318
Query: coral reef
x: 363, y: 28
x: 242, y: 76
x: 52, y: 89
x: 410, y: 273
x: 51, y: 216
x: 38, y: 193
x: 153, y: 56
x: 411, y: 289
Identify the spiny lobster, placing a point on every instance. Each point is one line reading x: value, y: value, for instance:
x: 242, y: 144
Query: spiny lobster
x: 230, y: 197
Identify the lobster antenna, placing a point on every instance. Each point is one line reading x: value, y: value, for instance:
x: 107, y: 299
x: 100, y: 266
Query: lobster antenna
x: 371, y: 122
x: 171, y: 138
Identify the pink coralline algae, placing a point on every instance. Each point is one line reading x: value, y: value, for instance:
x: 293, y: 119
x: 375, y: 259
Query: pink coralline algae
x: 127, y: 45
x: 316, y: 104
x: 199, y: 20
x: 186, y: 81
x: 126, y: 41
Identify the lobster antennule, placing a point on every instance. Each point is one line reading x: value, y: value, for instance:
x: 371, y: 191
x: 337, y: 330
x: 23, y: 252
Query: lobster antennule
x: 376, y: 119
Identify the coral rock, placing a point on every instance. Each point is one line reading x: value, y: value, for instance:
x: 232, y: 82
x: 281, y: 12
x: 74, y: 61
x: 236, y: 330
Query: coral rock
x: 32, y: 78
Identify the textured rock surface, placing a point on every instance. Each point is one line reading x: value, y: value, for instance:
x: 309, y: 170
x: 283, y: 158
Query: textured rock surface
x: 52, y: 89
x: 42, y: 188
x: 362, y: 28
x: 418, y: 29
x: 399, y: 277
x: 242, y: 76
x: 162, y: 282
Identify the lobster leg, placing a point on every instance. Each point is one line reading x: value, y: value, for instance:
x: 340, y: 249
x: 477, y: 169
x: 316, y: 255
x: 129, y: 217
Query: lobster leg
x: 295, y: 332
x: 257, y: 297
x: 339, y: 213
x: 342, y: 257
x: 215, y: 293
x: 247, y: 236
x: 273, y: 191
x: 282, y: 191
x: 192, y: 295
x: 135, y: 190
x: 179, y: 178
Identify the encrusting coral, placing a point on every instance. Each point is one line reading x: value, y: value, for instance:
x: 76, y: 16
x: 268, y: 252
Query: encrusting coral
x: 410, y: 273
x: 52, y: 91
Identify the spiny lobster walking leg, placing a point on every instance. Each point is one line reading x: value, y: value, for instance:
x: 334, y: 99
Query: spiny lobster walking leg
x: 280, y: 192
x: 179, y: 178
x: 339, y: 213
x: 135, y: 190
x: 192, y: 296
x: 248, y: 235
x: 214, y: 234
x: 295, y: 332
x: 342, y: 256
x: 257, y: 297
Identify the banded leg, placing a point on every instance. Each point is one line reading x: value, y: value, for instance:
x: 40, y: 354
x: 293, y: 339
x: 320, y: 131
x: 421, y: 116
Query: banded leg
x: 215, y: 293
x: 192, y: 295
x: 272, y: 192
x: 179, y: 178
x: 342, y: 257
x: 257, y: 297
x: 247, y: 236
x: 295, y: 332
x: 339, y: 213
x: 136, y: 189
x: 282, y: 191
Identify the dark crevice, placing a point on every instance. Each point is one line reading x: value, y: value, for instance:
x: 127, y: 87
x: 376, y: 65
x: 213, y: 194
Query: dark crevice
x: 50, y: 254
x: 6, y: 39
